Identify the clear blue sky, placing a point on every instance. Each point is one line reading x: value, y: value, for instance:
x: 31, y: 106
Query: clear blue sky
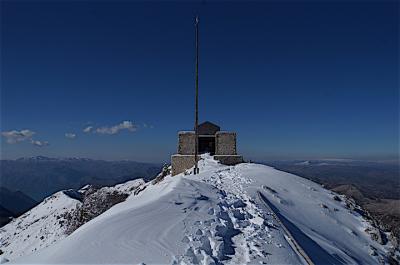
x: 294, y: 79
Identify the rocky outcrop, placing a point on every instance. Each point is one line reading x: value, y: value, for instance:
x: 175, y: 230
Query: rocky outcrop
x: 94, y: 202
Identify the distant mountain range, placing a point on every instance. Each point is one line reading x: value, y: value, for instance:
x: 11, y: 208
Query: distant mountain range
x: 5, y: 216
x: 40, y: 176
x: 373, y: 179
x: 13, y: 203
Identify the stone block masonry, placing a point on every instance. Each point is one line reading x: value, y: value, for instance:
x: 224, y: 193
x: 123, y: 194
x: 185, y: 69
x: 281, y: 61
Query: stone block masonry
x: 229, y: 160
x: 225, y: 143
x: 180, y: 163
x: 186, y: 145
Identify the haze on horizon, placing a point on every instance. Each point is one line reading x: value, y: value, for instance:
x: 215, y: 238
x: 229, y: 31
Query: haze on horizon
x: 113, y: 81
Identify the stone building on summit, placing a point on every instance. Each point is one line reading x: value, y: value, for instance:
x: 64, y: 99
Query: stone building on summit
x: 220, y: 144
x: 206, y: 137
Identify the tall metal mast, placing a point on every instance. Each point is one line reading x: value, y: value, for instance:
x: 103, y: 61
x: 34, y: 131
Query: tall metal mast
x: 196, y: 120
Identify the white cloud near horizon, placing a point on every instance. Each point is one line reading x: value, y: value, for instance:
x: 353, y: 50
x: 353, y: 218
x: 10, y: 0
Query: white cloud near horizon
x: 145, y: 125
x: 14, y: 136
x: 39, y: 143
x: 70, y: 135
x: 88, y: 129
x: 125, y: 125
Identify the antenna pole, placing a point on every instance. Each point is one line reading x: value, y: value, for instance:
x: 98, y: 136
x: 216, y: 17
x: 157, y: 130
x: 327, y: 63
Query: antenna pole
x: 196, y: 120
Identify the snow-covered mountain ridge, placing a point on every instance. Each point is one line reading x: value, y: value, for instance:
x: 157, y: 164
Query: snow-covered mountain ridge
x: 37, y: 228
x: 247, y: 213
x: 52, y: 220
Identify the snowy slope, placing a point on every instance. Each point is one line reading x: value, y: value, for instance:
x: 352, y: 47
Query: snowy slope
x: 37, y: 228
x: 226, y: 214
x: 46, y: 223
x: 327, y: 229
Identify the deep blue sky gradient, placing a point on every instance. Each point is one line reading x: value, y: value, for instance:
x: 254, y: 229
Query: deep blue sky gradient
x: 294, y: 79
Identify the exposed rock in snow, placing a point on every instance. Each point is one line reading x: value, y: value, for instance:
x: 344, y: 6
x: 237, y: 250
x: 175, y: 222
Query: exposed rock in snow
x: 247, y: 213
x: 96, y: 201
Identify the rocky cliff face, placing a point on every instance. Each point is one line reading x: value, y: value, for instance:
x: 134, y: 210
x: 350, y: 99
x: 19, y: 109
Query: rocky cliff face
x: 95, y: 202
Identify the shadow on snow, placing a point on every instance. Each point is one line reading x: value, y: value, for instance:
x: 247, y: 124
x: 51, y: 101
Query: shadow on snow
x: 316, y: 253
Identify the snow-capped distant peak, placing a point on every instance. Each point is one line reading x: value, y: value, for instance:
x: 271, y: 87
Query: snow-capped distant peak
x: 304, y: 163
x: 47, y: 159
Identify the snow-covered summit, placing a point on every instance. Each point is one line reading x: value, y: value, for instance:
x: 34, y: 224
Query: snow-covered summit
x: 247, y: 213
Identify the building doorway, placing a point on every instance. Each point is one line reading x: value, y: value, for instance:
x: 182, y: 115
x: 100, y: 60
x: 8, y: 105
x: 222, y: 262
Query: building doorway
x: 207, y: 144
